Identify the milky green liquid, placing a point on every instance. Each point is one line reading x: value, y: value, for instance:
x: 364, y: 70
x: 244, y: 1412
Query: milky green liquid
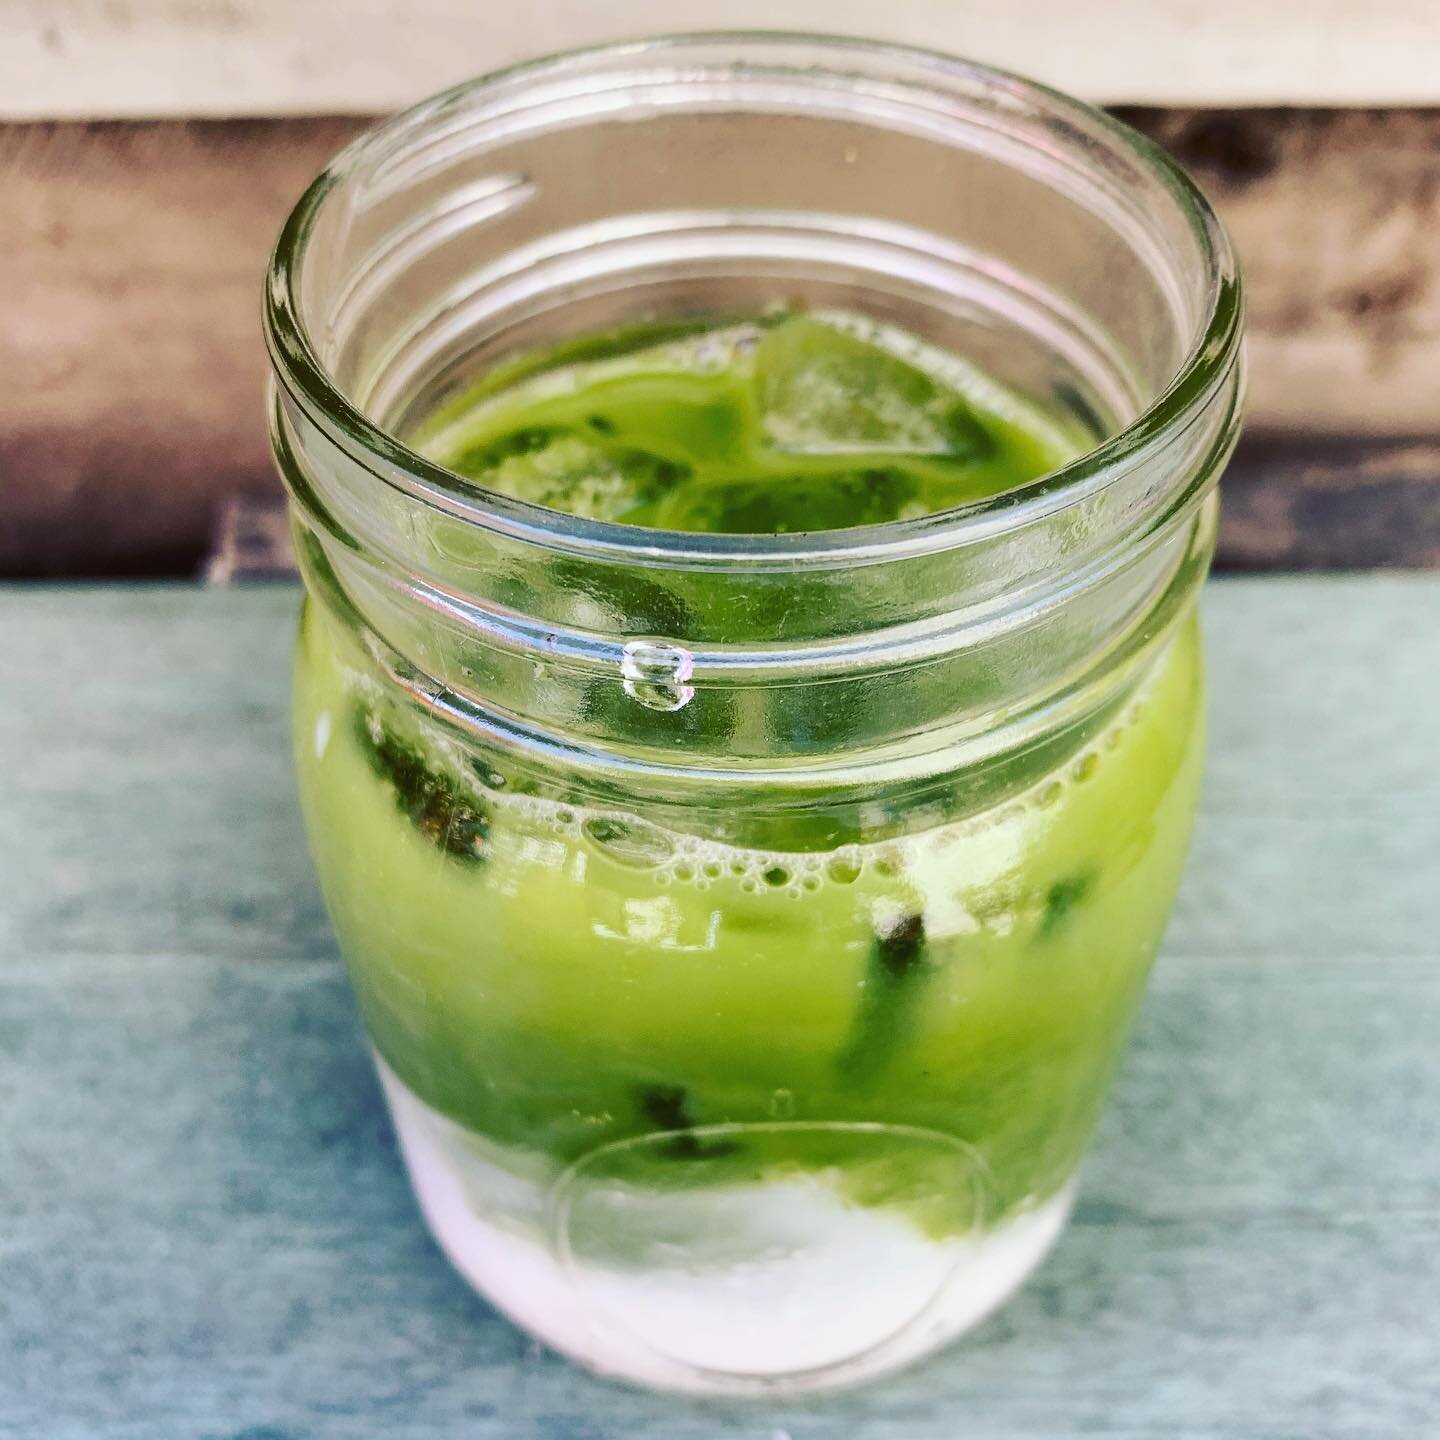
x: 782, y: 424
x: 556, y: 975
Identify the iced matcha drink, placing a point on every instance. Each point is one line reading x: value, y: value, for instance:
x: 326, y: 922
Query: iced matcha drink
x: 701, y: 1100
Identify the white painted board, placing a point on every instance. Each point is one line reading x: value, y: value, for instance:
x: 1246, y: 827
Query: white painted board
x: 137, y: 58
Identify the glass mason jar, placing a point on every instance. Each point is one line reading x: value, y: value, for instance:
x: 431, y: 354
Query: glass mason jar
x: 747, y: 927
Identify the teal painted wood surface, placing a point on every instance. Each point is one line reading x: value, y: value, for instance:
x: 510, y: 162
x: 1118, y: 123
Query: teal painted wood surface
x: 205, y: 1232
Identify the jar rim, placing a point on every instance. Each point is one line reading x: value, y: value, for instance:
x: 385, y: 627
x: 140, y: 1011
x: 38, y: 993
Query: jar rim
x: 1207, y: 360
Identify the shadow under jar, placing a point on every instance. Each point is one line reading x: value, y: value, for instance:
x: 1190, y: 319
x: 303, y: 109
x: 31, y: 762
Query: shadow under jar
x: 748, y: 926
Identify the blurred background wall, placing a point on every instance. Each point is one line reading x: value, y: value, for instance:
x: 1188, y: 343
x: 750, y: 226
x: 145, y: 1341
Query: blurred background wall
x: 150, y: 148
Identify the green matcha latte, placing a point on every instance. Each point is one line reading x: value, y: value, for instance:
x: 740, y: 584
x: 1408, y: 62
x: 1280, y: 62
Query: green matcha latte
x: 633, y: 1056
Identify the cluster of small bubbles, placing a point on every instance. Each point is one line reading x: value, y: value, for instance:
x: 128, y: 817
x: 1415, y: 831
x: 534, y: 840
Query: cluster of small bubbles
x: 677, y: 858
x: 361, y: 685
x: 712, y: 352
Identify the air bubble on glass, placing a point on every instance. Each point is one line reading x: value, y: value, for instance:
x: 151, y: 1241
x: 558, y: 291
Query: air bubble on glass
x: 656, y: 674
x: 782, y: 1104
x: 627, y: 840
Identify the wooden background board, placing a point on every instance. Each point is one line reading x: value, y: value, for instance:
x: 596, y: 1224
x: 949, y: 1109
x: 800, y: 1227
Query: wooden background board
x: 131, y: 259
x: 131, y: 256
x: 205, y: 1232
x: 80, y: 58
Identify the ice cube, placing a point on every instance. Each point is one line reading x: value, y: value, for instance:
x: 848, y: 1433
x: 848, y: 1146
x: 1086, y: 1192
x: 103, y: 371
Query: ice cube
x: 823, y: 390
x: 568, y: 472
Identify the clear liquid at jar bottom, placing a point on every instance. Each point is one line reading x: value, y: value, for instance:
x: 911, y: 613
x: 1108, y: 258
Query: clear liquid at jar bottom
x: 717, y: 1119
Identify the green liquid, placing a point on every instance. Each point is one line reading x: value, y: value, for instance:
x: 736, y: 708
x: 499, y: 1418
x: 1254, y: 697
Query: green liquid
x: 788, y: 423
x: 556, y: 975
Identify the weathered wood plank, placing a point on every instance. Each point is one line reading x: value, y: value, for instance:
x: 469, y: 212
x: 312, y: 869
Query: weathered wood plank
x: 132, y: 257
x: 1336, y: 215
x: 143, y: 728
x: 1331, y: 502
x: 166, y: 822
x: 132, y: 403
x: 252, y: 541
x: 208, y: 1233
x: 279, y: 57
x: 204, y: 1230
x: 1291, y: 502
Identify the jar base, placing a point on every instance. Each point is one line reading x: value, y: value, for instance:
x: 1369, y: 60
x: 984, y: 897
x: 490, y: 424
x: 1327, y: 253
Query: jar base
x: 849, y: 1294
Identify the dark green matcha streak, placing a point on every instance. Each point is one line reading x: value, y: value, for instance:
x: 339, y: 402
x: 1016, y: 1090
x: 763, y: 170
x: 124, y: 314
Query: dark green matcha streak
x: 1061, y: 898
x: 669, y: 1107
x: 893, y: 981
x: 432, y: 802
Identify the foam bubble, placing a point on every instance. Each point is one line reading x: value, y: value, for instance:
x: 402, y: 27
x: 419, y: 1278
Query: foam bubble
x: 689, y: 860
x: 628, y: 840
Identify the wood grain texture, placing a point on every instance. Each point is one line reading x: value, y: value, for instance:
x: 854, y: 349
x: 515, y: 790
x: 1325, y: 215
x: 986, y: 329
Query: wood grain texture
x: 205, y: 1231
x: 252, y: 541
x: 129, y: 337
x: 1330, y: 502
x: 134, y: 372
x: 1336, y: 216
x: 280, y: 57
x: 1291, y: 502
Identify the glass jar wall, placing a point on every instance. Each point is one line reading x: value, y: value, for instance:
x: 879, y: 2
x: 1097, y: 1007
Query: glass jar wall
x: 748, y: 926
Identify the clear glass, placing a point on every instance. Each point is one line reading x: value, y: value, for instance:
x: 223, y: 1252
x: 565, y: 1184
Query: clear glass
x: 747, y: 927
